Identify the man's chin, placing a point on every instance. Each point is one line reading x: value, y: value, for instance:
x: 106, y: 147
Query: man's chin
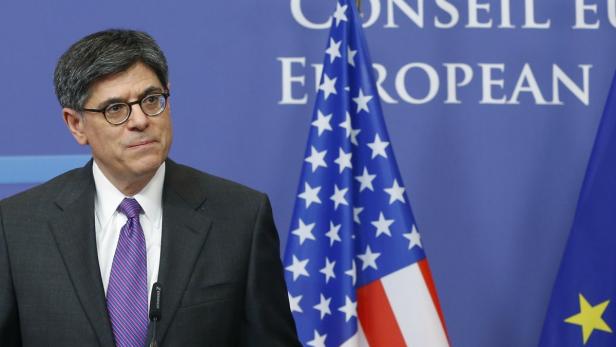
x: 146, y: 166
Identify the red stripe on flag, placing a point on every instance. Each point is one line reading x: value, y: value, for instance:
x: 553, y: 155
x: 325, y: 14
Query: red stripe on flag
x: 377, y: 318
x: 427, y: 275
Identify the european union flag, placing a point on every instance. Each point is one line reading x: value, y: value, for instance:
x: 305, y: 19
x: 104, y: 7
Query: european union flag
x: 582, y: 311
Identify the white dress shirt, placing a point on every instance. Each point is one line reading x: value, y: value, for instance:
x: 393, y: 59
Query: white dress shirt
x: 109, y: 221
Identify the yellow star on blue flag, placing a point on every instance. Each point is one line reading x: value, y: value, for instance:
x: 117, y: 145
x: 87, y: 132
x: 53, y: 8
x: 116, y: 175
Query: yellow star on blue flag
x: 590, y: 318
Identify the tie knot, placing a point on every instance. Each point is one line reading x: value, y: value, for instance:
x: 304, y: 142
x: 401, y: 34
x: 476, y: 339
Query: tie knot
x: 130, y: 208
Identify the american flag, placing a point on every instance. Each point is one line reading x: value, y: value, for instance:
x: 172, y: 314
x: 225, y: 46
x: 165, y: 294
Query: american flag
x: 356, y: 270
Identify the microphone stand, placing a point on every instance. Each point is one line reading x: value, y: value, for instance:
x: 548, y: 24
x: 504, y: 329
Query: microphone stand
x: 155, y: 315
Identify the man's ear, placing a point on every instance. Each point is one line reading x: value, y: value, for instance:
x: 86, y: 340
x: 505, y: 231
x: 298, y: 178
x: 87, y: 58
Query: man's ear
x: 75, y: 122
x: 168, y: 91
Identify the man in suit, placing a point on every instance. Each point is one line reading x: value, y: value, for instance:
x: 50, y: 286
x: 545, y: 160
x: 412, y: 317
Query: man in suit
x: 79, y: 254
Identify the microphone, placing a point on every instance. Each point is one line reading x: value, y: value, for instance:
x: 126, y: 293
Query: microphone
x: 155, y: 314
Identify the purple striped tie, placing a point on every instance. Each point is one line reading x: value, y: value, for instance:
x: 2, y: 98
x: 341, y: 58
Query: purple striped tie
x: 127, y: 293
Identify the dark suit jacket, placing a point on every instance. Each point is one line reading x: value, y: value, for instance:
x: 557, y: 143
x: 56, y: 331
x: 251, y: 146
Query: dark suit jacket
x: 220, y: 268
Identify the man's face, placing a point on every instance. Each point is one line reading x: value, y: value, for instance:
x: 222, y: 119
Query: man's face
x: 133, y: 151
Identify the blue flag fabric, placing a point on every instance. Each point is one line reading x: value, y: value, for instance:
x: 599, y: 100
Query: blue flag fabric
x: 582, y: 310
x: 352, y: 222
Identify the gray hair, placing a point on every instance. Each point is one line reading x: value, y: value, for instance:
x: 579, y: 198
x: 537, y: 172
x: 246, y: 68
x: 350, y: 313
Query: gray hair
x: 102, y: 54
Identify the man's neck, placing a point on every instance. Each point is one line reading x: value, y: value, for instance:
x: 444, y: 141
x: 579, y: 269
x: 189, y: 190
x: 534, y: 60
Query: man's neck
x: 128, y: 186
x: 134, y: 187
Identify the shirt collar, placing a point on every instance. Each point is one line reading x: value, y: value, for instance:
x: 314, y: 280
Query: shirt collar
x: 108, y: 197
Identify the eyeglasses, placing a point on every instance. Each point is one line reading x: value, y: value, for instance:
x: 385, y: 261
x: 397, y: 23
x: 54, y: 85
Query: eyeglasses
x: 119, y: 112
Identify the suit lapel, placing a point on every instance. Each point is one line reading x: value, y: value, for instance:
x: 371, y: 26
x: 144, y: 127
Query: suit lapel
x: 185, y: 229
x: 74, y: 232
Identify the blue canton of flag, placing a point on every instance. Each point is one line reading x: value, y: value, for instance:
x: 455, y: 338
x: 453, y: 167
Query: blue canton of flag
x: 581, y: 311
x: 352, y: 225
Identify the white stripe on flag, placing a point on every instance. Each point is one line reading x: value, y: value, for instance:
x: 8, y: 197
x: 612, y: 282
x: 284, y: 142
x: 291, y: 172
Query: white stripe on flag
x: 414, y: 309
x: 357, y: 340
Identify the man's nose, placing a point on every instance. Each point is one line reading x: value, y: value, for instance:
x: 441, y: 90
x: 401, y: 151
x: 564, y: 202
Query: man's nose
x: 137, y: 119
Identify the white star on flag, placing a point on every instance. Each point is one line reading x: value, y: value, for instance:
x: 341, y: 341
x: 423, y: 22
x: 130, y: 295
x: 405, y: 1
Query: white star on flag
x: 365, y: 180
x: 343, y: 160
x: 356, y: 212
x: 294, y: 303
x: 346, y: 125
x: 349, y: 309
x: 378, y: 147
x: 396, y: 193
x: 340, y: 14
x: 368, y: 259
x: 328, y: 86
x: 413, y: 237
x: 304, y: 231
x: 382, y: 225
x: 298, y: 268
x: 338, y: 196
x: 354, y: 133
x: 362, y: 101
x: 322, y: 122
x: 310, y: 195
x: 316, y: 158
x: 352, y: 272
x: 333, y: 50
x: 318, y: 340
x: 333, y: 233
x: 328, y: 270
x: 323, y: 306
x: 351, y: 56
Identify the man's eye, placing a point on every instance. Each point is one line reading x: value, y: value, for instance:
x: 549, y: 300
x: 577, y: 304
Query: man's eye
x: 150, y: 99
x: 114, y: 108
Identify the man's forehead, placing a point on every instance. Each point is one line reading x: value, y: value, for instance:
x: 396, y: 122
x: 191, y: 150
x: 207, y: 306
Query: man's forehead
x: 125, y: 84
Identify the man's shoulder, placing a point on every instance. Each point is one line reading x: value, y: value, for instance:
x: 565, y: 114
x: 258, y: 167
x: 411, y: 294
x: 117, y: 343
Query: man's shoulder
x: 47, y: 191
x: 216, y: 190
x: 211, y: 185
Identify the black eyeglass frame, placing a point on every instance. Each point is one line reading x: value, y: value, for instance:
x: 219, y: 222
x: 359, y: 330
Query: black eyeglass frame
x: 130, y: 108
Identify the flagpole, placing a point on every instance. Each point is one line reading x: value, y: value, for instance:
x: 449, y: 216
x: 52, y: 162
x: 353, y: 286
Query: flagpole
x: 358, y: 5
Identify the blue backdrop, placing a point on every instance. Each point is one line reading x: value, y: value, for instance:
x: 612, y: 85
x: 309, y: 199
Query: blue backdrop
x: 492, y: 108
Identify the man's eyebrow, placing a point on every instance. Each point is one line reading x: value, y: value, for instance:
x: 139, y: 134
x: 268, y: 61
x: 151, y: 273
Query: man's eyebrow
x: 108, y: 102
x: 113, y: 100
x: 152, y: 89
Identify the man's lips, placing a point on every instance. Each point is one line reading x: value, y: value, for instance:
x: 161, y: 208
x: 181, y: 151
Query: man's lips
x: 141, y: 143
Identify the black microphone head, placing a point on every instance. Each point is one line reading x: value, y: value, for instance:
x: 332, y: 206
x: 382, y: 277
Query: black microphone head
x: 157, y: 290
